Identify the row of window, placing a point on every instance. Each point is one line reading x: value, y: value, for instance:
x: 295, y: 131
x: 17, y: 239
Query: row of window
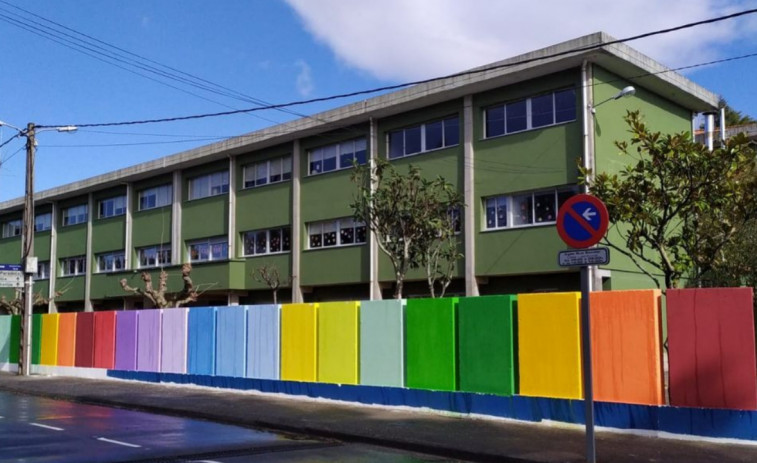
x: 530, y: 113
x: 537, y: 208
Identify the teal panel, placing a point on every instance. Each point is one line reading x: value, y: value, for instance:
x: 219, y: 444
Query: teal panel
x: 485, y: 336
x: 5, y: 338
x: 430, y: 344
x: 381, y: 347
x: 36, y: 338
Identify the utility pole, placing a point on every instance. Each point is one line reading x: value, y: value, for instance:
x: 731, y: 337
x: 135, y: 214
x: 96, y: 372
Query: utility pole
x: 28, y: 261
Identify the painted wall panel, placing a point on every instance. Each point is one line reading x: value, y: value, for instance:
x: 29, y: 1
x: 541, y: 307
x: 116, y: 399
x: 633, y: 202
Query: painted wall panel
x: 36, y: 338
x: 105, y: 340
x: 14, y: 347
x: 5, y: 338
x: 231, y: 340
x: 299, y: 342
x: 382, y: 353
x: 201, y: 341
x: 67, y: 339
x: 430, y: 344
x: 263, y: 353
x: 626, y: 347
x: 49, y: 341
x: 485, y: 334
x: 148, y: 340
x: 338, y: 342
x: 549, y: 353
x: 85, y: 339
x: 173, y: 350
x: 126, y: 340
x: 711, y: 348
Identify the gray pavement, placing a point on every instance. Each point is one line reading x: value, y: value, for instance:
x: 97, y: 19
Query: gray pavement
x: 451, y: 436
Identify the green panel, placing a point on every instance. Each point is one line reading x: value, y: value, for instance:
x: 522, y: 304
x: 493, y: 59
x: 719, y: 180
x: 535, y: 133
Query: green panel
x: 108, y: 286
x: 430, y: 344
x: 10, y: 250
x: 282, y: 262
x: 108, y: 234
x: 338, y: 265
x: 518, y: 251
x: 15, y: 339
x: 151, y: 227
x: 36, y: 338
x: 204, y: 218
x: 486, y: 344
x: 42, y: 245
x: 381, y: 343
x: 327, y: 196
x: 264, y: 207
x: 72, y: 241
x: 72, y: 288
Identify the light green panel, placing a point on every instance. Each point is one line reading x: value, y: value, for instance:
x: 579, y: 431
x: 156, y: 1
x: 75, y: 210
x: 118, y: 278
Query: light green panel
x: 205, y: 218
x: 42, y: 287
x: 72, y: 241
x: 72, y: 288
x: 327, y: 196
x: 341, y: 265
x: 106, y: 285
x: 108, y: 234
x: 42, y: 245
x: 151, y: 227
x: 216, y: 275
x: 264, y: 207
x: 382, y: 343
x: 518, y: 251
x: 281, y: 261
x: 10, y: 250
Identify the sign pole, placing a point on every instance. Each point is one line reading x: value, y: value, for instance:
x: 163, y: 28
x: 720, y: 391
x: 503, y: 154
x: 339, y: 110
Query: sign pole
x: 591, y: 454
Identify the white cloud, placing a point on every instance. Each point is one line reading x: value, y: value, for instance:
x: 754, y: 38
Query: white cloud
x: 415, y: 39
x: 304, y: 78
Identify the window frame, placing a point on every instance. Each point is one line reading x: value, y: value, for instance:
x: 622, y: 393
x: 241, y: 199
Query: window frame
x: 162, y: 256
x: 80, y: 266
x: 45, y: 274
x: 117, y: 210
x: 210, y: 243
x: 12, y: 228
x: 208, y: 185
x: 340, y: 162
x: 336, y: 227
x: 509, y: 201
x: 155, y: 191
x: 48, y: 222
x: 529, y: 114
x: 111, y: 266
x: 251, y: 170
x: 423, y: 128
x: 81, y: 217
x: 250, y: 241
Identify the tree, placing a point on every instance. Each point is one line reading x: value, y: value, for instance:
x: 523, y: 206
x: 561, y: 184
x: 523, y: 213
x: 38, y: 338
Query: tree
x: 679, y: 204
x: 159, y: 297
x: 442, y: 254
x: 407, y: 212
x: 15, y: 306
x: 269, y: 274
x: 733, y: 117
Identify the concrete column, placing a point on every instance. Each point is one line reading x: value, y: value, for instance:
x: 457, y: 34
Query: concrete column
x: 373, y: 249
x: 89, y: 259
x: 232, y: 219
x: 176, y: 257
x: 296, y: 222
x: 469, y: 197
x: 128, y: 251
x: 233, y: 299
x: 51, y: 307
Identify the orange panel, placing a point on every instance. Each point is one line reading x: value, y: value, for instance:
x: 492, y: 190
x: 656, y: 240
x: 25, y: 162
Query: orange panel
x: 66, y: 339
x: 625, y: 347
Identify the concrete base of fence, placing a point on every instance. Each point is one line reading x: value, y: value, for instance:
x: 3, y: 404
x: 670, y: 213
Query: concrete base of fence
x: 47, y: 370
x: 11, y: 367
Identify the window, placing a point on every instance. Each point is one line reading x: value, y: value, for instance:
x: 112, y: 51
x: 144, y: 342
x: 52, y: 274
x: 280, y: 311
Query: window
x: 158, y: 196
x: 74, y: 215
x: 71, y: 266
x: 12, y: 228
x: 209, y: 185
x: 271, y: 241
x: 111, y: 262
x: 525, y: 209
x: 208, y: 250
x: 112, y: 207
x: 531, y: 113
x: 154, y: 256
x: 270, y: 171
x: 341, y: 232
x: 337, y: 156
x: 425, y: 137
x: 456, y: 219
x: 43, y: 222
x: 43, y: 270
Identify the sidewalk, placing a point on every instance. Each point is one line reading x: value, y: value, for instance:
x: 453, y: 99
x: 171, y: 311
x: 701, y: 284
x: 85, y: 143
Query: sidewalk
x: 468, y: 438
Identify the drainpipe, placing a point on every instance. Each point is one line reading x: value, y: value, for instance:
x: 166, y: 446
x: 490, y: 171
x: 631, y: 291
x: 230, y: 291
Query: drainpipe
x: 709, y: 130
x: 587, y: 98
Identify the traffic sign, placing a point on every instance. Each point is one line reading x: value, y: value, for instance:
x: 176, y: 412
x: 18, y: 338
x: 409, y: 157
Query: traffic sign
x: 582, y: 221
x: 579, y: 257
x: 11, y: 279
x: 14, y: 267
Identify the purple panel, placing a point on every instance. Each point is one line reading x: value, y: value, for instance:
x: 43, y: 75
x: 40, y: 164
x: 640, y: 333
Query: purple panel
x: 148, y: 340
x: 126, y: 340
x: 173, y: 357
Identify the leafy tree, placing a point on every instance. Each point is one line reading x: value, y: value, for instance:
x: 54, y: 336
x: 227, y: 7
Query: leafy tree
x: 678, y: 205
x: 160, y: 297
x: 269, y: 274
x: 410, y: 216
x: 733, y: 117
x: 442, y: 254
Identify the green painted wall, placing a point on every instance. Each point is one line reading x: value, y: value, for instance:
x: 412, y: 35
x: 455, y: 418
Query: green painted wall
x: 72, y: 288
x: 42, y: 245
x: 205, y: 218
x: 283, y: 262
x: 72, y: 241
x: 10, y: 250
x: 108, y: 234
x: 264, y: 207
x: 331, y: 266
x: 106, y: 285
x: 151, y: 227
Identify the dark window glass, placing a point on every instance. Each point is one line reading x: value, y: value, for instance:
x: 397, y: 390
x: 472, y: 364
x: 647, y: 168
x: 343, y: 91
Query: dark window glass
x: 544, y: 207
x: 346, y: 154
x: 360, y: 232
x: 495, y: 121
x: 261, y: 242
x: 522, y: 210
x: 329, y: 158
x: 452, y: 131
x: 275, y: 241
x: 347, y: 232
x: 434, y: 135
x: 565, y: 106
x: 542, y: 111
x: 249, y: 244
x: 285, y: 239
x: 412, y: 140
x: 396, y: 144
x: 502, y: 211
x: 516, y: 116
x: 491, y: 213
x: 563, y: 196
x: 360, y: 154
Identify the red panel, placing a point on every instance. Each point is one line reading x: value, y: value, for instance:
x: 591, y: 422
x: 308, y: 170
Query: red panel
x: 105, y: 339
x: 711, y: 348
x: 85, y: 339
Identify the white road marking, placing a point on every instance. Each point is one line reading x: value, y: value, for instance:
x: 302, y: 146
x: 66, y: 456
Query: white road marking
x: 46, y: 426
x: 118, y: 442
x: 204, y: 461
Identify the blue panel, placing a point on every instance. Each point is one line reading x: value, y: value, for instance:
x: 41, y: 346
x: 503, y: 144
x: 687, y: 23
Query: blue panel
x: 201, y: 342
x: 263, y: 351
x: 231, y: 340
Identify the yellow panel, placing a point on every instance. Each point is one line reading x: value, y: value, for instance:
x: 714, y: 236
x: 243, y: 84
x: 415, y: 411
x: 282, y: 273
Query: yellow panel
x: 49, y: 353
x: 549, y: 345
x: 299, y: 342
x: 338, y: 342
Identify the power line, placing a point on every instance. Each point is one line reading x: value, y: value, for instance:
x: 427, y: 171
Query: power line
x: 418, y: 82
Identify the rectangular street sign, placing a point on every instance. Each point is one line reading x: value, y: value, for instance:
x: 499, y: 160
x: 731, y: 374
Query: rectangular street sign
x: 15, y: 267
x: 577, y: 258
x: 11, y: 279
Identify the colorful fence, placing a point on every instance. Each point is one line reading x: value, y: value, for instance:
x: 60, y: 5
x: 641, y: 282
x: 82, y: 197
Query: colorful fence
x: 505, y: 346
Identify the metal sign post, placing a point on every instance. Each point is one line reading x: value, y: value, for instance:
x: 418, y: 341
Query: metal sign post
x: 582, y: 221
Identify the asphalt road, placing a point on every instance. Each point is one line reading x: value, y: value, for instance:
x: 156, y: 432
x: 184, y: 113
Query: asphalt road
x: 36, y: 430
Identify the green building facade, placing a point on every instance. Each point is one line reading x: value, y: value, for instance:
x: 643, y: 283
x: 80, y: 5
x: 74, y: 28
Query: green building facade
x: 509, y: 136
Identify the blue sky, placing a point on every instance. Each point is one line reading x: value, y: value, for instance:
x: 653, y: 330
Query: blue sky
x: 281, y: 51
